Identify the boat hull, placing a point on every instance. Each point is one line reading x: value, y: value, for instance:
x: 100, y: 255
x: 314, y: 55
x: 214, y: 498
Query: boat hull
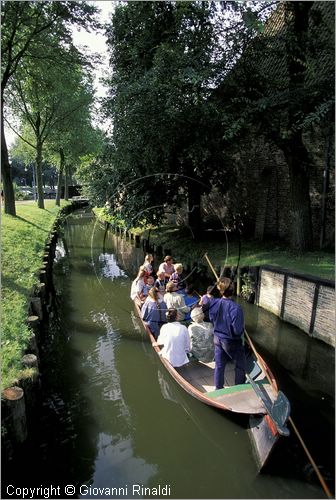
x: 262, y: 430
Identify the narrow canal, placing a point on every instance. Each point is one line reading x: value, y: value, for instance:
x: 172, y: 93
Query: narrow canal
x: 112, y: 418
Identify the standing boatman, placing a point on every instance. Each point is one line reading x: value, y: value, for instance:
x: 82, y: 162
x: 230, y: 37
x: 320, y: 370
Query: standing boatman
x: 228, y: 319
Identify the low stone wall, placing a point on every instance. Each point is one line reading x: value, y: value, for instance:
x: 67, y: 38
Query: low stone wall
x: 305, y: 301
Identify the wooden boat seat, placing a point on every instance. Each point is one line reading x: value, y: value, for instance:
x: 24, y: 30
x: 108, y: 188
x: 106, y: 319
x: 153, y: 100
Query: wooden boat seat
x: 242, y: 398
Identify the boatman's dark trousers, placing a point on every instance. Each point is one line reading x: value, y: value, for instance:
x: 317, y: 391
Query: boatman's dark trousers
x: 225, y: 351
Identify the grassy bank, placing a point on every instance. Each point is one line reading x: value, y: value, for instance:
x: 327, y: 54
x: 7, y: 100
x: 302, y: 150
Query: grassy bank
x: 226, y: 251
x: 22, y: 242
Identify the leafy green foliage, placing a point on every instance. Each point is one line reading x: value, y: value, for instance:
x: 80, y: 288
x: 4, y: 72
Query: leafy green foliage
x: 163, y: 123
x: 54, y: 106
x: 169, y: 134
x: 35, y: 35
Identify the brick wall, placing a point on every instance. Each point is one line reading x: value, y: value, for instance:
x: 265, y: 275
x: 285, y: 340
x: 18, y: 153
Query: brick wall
x: 304, y: 301
x: 324, y: 327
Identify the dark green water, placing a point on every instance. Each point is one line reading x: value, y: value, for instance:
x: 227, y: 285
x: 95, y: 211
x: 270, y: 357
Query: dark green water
x: 113, y: 418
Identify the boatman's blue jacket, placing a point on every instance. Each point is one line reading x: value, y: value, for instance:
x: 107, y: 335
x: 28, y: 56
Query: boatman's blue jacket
x: 228, y: 319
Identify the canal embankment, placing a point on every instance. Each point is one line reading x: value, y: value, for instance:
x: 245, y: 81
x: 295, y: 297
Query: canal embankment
x: 28, y: 249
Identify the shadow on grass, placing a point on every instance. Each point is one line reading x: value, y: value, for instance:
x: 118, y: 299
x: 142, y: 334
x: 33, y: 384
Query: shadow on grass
x: 32, y: 224
x: 10, y: 284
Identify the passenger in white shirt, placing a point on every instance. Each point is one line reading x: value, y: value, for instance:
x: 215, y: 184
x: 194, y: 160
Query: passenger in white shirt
x: 175, y: 340
x: 138, y: 287
x: 167, y: 266
x: 148, y: 264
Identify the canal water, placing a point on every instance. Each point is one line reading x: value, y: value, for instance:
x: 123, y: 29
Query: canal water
x: 114, y: 422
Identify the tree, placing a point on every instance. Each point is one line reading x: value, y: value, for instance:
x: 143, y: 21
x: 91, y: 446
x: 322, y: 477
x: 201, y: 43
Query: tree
x: 75, y: 138
x: 164, y: 126
x: 24, y: 26
x: 166, y: 60
x: 281, y: 87
x: 45, y: 96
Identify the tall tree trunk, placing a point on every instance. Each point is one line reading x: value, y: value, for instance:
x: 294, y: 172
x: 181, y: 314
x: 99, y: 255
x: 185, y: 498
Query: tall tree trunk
x: 66, y: 182
x: 40, y: 201
x: 301, y: 234
x: 6, y: 169
x: 70, y: 172
x: 59, y: 179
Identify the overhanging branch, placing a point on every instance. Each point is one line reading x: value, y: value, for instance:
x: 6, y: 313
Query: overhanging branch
x: 19, y: 135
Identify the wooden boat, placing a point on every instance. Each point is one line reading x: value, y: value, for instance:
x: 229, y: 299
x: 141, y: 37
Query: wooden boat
x: 259, y: 399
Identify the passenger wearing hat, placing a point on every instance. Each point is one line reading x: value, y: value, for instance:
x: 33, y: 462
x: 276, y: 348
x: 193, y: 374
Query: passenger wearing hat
x: 228, y: 319
x: 176, y: 301
x: 201, y: 336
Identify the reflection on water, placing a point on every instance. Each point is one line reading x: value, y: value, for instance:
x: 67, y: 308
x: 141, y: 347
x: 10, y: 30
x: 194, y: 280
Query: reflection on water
x: 308, y: 361
x: 112, y: 416
x: 117, y: 455
x: 110, y: 267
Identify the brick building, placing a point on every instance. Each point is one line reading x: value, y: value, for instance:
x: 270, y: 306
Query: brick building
x: 261, y: 166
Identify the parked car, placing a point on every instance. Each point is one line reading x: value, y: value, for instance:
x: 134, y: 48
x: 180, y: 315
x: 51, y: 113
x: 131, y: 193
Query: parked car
x: 24, y: 194
x: 49, y: 193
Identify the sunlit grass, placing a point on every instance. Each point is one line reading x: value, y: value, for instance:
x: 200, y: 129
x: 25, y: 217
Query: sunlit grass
x: 23, y: 240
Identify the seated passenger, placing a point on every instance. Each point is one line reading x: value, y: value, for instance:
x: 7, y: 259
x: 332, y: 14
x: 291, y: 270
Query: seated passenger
x: 160, y: 282
x: 201, y: 337
x: 175, y: 340
x: 207, y: 299
x: 176, y: 301
x: 137, y: 288
x: 148, y: 264
x: 176, y: 277
x: 149, y: 283
x: 153, y: 312
x: 167, y: 266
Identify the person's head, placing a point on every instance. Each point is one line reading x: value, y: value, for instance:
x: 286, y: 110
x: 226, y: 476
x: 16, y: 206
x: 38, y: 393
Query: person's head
x: 142, y: 272
x: 197, y: 314
x: 168, y: 259
x: 170, y: 287
x: 225, y: 287
x: 178, y: 268
x: 153, y: 294
x: 149, y: 258
x: 210, y: 290
x: 150, y: 280
x: 171, y: 315
x: 161, y: 275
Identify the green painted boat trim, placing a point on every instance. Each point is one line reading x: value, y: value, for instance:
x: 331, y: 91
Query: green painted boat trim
x: 232, y: 389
